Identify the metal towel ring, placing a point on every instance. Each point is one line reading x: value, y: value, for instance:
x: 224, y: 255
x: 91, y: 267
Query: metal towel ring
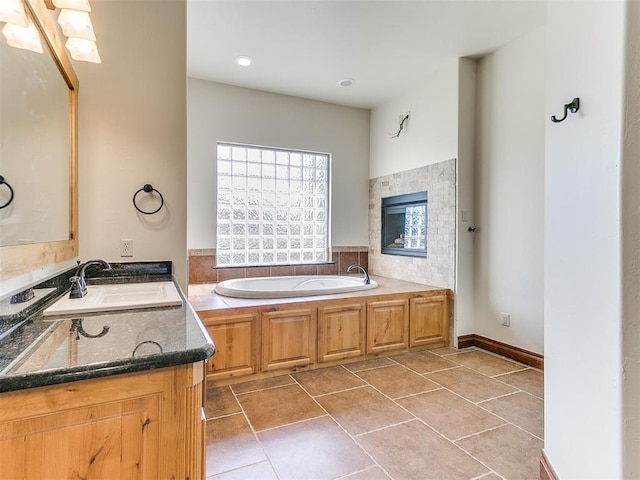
x: 149, y: 189
x: 147, y: 342
x: 3, y: 182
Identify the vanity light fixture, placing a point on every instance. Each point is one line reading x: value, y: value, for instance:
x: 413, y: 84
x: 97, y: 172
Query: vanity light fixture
x: 73, y: 19
x: 244, y: 61
x: 23, y: 37
x: 76, y: 24
x: 12, y: 11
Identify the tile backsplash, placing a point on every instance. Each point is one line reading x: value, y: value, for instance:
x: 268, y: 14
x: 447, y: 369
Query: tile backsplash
x: 202, y: 263
x: 438, y: 268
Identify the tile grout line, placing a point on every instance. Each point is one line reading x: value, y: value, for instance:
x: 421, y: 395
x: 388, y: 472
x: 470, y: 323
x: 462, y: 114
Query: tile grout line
x: 478, y: 404
x: 359, y: 471
x: 394, y: 362
x: 264, y: 389
x: 344, y: 430
x: 434, y: 430
x: 255, y: 435
x: 490, y: 429
x: 473, y: 403
x: 337, y: 391
x: 225, y: 416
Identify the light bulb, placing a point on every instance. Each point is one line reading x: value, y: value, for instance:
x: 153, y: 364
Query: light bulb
x: 76, y: 24
x: 83, y: 50
x: 12, y: 11
x: 73, y: 4
x: 244, y: 61
x: 23, y: 37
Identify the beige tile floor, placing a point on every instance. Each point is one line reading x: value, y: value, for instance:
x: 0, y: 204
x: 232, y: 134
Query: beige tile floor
x: 443, y: 414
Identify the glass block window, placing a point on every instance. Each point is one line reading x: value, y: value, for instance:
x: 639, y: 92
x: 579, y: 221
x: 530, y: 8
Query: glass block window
x: 273, y: 206
x: 415, y: 227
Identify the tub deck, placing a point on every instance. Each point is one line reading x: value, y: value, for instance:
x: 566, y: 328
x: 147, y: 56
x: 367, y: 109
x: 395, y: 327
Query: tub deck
x: 203, y: 297
x: 259, y: 338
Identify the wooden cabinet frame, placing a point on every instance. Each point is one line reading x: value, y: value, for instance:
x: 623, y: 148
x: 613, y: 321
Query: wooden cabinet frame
x: 260, y: 340
x: 145, y: 425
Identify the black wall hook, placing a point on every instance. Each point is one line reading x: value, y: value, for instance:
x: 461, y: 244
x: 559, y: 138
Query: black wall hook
x: 402, y: 122
x: 572, y: 107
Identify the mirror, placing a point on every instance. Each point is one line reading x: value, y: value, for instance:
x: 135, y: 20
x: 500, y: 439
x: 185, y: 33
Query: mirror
x: 38, y: 128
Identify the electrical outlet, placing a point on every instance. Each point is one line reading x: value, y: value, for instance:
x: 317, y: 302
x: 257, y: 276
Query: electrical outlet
x: 126, y: 248
x: 505, y: 319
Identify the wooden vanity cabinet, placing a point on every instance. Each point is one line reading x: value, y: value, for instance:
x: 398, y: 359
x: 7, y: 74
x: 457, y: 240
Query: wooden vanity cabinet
x: 429, y: 321
x: 341, y: 332
x: 387, y: 325
x: 145, y: 425
x: 288, y: 338
x: 236, y: 341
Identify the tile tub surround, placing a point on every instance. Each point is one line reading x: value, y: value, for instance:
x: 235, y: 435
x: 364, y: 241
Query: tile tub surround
x: 358, y: 421
x: 41, y: 352
x: 438, y: 268
x: 202, y: 266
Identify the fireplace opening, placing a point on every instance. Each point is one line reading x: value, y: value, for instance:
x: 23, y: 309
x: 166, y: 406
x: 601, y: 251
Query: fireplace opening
x: 404, y: 225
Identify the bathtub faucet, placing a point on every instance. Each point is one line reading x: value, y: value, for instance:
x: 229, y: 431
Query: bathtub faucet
x: 367, y: 281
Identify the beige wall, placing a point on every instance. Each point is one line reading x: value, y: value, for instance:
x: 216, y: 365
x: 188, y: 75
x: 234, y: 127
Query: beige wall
x: 219, y: 112
x: 584, y: 380
x: 431, y: 134
x: 132, y: 131
x: 509, y: 193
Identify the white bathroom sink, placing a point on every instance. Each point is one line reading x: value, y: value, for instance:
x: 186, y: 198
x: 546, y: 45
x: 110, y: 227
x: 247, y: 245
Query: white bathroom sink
x: 124, y: 296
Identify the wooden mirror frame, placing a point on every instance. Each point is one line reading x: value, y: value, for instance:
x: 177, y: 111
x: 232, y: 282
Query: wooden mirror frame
x: 16, y: 260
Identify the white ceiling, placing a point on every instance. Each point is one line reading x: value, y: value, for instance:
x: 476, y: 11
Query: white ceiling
x: 304, y: 47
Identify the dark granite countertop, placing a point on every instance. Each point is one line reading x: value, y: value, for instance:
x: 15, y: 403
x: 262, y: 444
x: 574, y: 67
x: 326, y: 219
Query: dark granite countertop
x: 38, y: 350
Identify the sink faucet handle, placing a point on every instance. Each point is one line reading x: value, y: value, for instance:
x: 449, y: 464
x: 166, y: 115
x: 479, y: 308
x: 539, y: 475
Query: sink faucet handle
x: 78, y: 287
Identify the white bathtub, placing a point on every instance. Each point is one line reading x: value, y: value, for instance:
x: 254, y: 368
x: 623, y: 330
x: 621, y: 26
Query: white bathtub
x: 300, y: 286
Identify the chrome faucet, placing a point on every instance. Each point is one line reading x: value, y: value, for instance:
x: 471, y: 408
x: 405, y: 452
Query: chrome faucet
x: 78, y: 284
x: 367, y: 280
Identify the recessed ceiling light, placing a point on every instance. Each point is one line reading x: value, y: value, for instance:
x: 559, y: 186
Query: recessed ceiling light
x: 244, y: 61
x: 346, y: 82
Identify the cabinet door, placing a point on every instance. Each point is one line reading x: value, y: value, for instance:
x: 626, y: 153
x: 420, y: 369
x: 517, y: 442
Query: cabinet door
x: 235, y: 338
x: 429, y: 321
x: 387, y: 325
x: 340, y: 332
x: 288, y: 338
x: 104, y: 441
x: 143, y: 425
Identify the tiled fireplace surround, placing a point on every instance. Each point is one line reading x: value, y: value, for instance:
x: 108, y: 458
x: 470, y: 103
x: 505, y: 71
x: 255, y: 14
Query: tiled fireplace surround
x: 437, y: 269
